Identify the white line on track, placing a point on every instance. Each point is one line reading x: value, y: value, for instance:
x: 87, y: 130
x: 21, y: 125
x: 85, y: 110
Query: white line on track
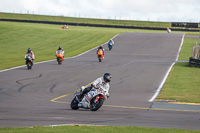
x: 166, y: 75
x: 55, y: 59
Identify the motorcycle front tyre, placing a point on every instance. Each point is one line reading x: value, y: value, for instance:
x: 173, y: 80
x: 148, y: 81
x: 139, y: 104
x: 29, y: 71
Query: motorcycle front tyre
x: 98, y: 104
x: 59, y: 60
x: 29, y: 65
x: 74, y: 104
x: 100, y: 58
x: 110, y: 47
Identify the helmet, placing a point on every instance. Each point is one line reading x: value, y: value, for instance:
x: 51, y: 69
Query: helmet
x: 29, y: 50
x: 60, y: 47
x: 107, y: 77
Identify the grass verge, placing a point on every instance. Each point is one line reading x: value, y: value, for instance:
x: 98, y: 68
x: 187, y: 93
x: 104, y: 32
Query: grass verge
x: 182, y: 84
x: 94, y: 129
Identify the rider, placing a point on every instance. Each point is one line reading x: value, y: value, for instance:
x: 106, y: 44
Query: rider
x: 29, y: 52
x: 169, y: 30
x: 103, y: 81
x: 111, y: 42
x: 60, y: 49
x: 100, y: 48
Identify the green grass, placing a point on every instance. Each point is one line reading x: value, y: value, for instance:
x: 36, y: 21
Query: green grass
x: 182, y: 84
x: 94, y: 129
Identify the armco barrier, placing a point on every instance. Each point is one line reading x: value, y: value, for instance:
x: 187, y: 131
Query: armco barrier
x: 96, y: 25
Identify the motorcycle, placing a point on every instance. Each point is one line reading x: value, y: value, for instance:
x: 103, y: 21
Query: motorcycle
x: 169, y: 30
x: 29, y: 61
x: 100, y: 55
x: 92, y: 100
x: 110, y: 45
x: 65, y: 27
x: 59, y: 56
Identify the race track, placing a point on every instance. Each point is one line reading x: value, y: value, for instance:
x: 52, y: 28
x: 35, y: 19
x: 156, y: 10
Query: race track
x: 138, y: 63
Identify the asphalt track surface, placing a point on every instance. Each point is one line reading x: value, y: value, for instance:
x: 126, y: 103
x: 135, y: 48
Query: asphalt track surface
x: 138, y: 63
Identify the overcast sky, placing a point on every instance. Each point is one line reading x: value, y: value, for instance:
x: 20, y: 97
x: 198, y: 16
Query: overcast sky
x: 147, y: 10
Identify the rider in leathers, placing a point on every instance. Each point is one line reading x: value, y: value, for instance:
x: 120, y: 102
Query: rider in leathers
x: 111, y: 41
x: 29, y: 52
x: 60, y: 49
x: 104, y: 81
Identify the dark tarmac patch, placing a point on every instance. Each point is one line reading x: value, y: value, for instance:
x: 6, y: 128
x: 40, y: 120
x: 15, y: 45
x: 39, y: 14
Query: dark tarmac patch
x: 172, y: 105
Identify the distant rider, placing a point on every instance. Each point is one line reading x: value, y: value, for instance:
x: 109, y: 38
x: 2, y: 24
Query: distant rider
x: 60, y: 49
x: 169, y: 30
x: 111, y: 42
x: 100, y: 48
x: 103, y: 81
x: 29, y: 52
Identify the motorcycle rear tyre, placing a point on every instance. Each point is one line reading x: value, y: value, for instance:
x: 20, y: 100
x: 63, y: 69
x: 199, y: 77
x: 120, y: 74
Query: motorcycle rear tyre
x: 74, y: 104
x: 98, y: 105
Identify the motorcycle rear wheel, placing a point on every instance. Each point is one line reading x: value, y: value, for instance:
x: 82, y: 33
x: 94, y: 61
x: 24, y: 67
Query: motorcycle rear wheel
x: 96, y: 106
x: 74, y: 104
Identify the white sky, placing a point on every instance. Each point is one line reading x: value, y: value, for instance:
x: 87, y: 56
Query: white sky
x: 147, y: 10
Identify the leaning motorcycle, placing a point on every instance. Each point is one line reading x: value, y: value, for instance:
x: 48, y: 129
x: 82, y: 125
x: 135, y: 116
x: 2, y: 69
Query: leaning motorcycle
x: 59, y: 56
x: 93, y: 100
x: 29, y: 61
x: 100, y: 55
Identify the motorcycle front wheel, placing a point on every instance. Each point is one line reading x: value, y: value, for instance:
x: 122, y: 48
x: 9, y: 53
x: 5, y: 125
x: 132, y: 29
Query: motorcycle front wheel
x: 29, y: 65
x: 74, y: 104
x: 59, y: 60
x: 100, y: 58
x: 110, y: 47
x: 95, y: 106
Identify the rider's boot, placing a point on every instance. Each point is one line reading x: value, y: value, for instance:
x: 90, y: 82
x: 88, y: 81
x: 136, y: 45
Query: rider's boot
x: 80, y: 96
x: 83, y: 91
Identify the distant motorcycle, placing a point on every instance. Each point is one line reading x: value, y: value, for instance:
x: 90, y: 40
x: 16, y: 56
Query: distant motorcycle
x: 65, y: 27
x: 59, y: 56
x: 100, y: 55
x: 110, y: 45
x: 168, y: 30
x: 93, y: 100
x: 29, y: 61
